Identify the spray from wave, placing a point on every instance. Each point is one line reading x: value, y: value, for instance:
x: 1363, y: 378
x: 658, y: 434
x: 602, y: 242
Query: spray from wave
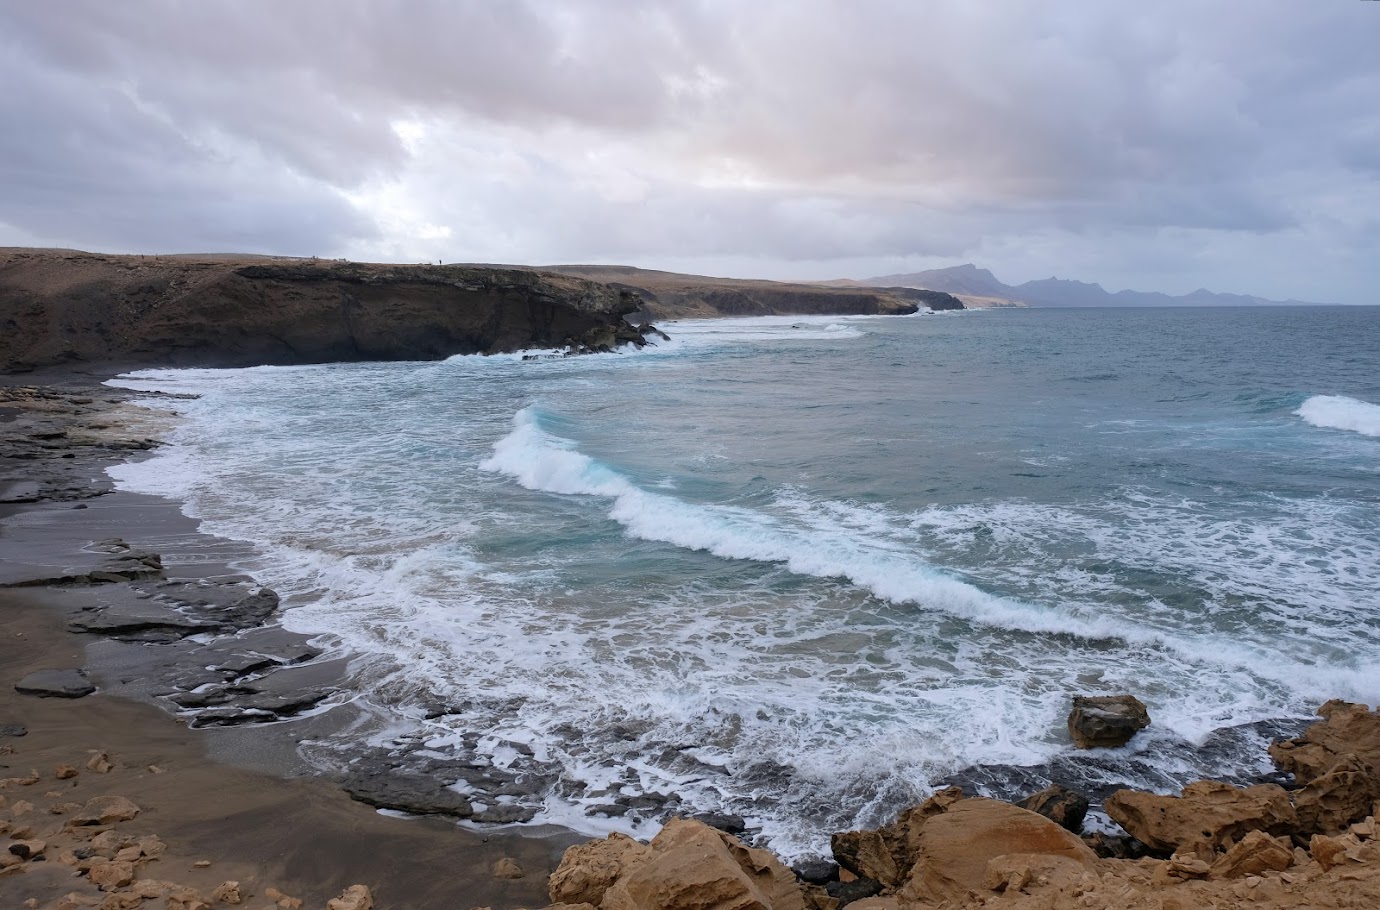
x: 1337, y: 412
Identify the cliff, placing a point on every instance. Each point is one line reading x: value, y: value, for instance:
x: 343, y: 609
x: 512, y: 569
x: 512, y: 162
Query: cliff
x: 669, y: 295
x: 65, y: 306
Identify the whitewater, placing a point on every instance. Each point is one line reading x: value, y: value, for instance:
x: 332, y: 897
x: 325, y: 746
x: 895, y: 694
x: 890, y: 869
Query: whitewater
x: 802, y: 569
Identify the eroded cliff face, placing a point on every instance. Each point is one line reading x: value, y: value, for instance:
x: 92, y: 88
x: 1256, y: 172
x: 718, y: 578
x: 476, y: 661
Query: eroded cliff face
x: 670, y: 295
x: 61, y: 307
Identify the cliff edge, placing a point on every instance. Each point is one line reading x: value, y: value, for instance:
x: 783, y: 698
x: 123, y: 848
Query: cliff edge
x: 70, y: 307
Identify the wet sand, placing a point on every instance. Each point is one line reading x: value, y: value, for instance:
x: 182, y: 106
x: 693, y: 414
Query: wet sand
x: 265, y: 819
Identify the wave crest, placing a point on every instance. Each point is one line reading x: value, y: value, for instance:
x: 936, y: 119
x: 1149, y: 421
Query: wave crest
x: 1337, y: 412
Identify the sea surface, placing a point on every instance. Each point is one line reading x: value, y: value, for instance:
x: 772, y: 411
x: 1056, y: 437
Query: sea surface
x: 798, y: 568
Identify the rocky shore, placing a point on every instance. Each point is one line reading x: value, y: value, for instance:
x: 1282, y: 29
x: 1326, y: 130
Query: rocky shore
x: 1213, y: 845
x: 113, y: 602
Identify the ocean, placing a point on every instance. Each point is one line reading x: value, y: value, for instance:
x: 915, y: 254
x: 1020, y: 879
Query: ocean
x: 801, y: 568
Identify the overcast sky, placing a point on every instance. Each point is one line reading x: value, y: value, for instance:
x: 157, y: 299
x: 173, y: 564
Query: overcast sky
x: 1158, y: 146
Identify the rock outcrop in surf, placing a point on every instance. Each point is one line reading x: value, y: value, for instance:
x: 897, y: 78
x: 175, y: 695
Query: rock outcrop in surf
x: 1213, y: 846
x: 63, y: 307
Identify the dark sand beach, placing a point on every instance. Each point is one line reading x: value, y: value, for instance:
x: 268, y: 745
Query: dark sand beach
x: 285, y: 828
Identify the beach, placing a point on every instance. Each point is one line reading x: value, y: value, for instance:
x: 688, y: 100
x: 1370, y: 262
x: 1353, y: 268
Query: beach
x: 284, y: 829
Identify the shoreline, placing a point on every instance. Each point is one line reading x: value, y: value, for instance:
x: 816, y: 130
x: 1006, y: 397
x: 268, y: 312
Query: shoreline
x: 239, y: 796
x: 237, y: 806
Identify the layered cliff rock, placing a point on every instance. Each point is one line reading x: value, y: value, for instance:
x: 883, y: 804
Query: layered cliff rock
x: 62, y: 306
x: 669, y: 295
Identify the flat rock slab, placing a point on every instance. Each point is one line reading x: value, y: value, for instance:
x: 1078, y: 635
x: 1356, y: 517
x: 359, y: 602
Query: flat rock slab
x: 420, y: 795
x: 169, y: 610
x: 56, y: 684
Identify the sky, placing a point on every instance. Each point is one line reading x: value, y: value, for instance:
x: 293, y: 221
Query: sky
x: 1156, y: 146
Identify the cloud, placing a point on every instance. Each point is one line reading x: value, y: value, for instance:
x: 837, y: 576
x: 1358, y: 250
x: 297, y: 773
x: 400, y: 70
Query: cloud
x: 790, y: 138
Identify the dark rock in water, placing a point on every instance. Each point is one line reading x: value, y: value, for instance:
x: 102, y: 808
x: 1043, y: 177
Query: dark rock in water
x: 388, y: 789
x: 848, y: 892
x: 1112, y: 846
x: 505, y: 814
x: 56, y: 684
x: 731, y: 824
x: 816, y: 871
x: 1106, y: 721
x: 1060, y: 805
x: 13, y: 730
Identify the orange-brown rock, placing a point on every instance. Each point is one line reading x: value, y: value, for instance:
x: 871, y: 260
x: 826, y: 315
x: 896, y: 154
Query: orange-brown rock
x: 1345, y: 794
x: 1255, y: 853
x: 109, y: 876
x: 355, y: 897
x: 1346, y: 729
x: 695, y: 867
x: 105, y: 810
x: 957, y: 845
x: 588, y: 870
x: 688, y: 866
x: 1204, y: 818
x: 887, y: 854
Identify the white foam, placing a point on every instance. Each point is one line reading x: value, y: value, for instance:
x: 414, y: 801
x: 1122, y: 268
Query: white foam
x: 540, y: 461
x: 1337, y: 412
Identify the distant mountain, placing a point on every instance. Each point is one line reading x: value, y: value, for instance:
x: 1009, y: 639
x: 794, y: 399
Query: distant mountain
x: 969, y: 280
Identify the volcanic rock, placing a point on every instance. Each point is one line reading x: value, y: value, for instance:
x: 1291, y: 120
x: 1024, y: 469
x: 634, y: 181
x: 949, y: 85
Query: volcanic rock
x: 1106, y: 721
x: 66, y: 683
x: 415, y: 793
x: 1060, y: 805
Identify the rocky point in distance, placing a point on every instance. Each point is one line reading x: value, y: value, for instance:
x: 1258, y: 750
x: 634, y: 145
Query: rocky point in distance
x: 67, y: 307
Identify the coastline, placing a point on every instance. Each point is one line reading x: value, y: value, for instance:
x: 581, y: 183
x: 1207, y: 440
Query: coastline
x: 234, y: 805
x: 238, y: 796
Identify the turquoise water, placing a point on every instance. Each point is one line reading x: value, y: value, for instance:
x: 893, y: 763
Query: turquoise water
x: 799, y: 568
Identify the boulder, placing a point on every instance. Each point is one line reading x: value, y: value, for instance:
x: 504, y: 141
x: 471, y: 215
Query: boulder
x: 109, y: 876
x: 65, y: 683
x: 1065, y: 807
x: 888, y: 853
x: 867, y: 854
x: 854, y: 892
x: 1205, y: 817
x: 956, y: 847
x: 1346, y: 794
x: 1346, y: 729
x: 688, y: 866
x: 1106, y: 721
x: 588, y: 870
x: 355, y: 897
x: 104, y: 810
x: 695, y: 867
x: 1256, y: 853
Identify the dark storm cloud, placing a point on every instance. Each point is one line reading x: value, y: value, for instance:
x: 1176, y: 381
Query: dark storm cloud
x: 802, y: 134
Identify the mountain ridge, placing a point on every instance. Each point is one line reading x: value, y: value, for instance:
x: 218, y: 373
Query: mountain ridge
x: 970, y: 280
